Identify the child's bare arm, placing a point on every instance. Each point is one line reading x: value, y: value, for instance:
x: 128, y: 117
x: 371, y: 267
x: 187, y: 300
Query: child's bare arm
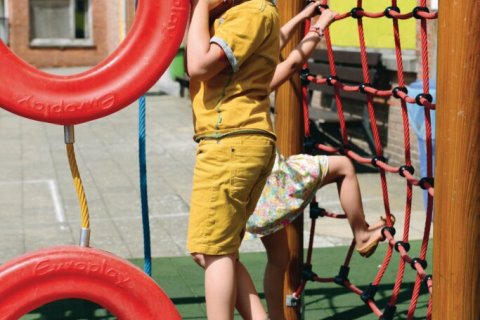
x: 303, y: 50
x: 204, y: 60
x: 288, y: 28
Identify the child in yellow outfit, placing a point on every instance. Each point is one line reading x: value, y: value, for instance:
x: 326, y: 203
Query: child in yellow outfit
x: 233, y: 67
x: 230, y: 68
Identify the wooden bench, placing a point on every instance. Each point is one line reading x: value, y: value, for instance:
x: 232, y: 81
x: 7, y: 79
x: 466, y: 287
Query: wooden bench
x: 349, y: 71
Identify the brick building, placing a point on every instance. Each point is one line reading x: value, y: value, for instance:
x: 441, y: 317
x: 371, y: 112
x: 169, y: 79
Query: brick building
x: 64, y: 33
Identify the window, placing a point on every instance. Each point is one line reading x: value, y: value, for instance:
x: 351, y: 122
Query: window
x: 3, y: 22
x: 60, y: 23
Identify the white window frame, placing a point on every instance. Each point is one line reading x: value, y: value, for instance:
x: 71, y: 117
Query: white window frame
x: 6, y: 21
x: 69, y: 42
x: 5, y: 8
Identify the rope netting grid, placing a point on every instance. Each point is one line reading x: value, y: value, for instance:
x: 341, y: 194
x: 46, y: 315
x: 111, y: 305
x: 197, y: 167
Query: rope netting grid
x: 419, y: 264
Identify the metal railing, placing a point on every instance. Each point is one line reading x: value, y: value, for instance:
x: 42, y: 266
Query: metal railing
x: 4, y: 31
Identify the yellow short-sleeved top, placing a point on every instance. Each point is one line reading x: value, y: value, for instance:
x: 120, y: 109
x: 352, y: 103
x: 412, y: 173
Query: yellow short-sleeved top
x: 237, y: 99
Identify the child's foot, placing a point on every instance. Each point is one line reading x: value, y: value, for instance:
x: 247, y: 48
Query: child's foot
x: 367, y: 248
x: 369, y: 243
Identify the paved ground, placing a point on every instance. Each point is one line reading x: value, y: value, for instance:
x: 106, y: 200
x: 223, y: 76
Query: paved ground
x: 38, y: 204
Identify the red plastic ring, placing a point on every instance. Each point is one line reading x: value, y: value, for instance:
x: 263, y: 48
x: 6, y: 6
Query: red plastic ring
x: 113, y: 84
x: 65, y: 272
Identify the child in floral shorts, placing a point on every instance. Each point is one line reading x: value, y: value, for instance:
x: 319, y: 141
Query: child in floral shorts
x: 289, y: 189
x: 292, y: 185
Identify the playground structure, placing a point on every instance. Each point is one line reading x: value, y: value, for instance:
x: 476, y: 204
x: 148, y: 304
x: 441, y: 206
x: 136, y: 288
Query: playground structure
x: 437, y: 214
x: 289, y: 124
x: 71, y: 271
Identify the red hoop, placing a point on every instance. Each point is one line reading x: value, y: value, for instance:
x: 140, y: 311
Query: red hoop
x: 115, y: 83
x: 65, y: 272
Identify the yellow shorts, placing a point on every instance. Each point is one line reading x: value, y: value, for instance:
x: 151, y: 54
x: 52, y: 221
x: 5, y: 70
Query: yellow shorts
x: 228, y: 178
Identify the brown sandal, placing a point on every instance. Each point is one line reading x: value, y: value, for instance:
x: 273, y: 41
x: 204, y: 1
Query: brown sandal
x: 368, y: 249
x: 382, y: 222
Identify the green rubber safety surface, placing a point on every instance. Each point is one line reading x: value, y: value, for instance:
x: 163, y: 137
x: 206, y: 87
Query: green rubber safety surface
x: 182, y: 280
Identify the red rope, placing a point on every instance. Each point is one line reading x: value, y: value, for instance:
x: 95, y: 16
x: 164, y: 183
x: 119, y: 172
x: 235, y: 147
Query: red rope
x: 419, y: 264
x: 362, y: 13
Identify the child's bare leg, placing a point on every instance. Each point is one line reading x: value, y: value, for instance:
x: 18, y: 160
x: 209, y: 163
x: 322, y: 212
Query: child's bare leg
x: 227, y: 282
x: 342, y: 171
x: 277, y: 253
x: 220, y: 285
x: 248, y: 303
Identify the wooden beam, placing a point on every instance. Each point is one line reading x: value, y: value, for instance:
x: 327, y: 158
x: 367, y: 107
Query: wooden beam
x: 456, y: 252
x: 289, y: 129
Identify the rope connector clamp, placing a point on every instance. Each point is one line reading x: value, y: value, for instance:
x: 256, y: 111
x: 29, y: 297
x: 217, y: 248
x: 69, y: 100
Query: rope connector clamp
x: 407, y: 168
x: 318, y: 11
x: 369, y: 293
x: 422, y: 262
x: 389, y: 229
x: 362, y: 86
x: 429, y: 180
x: 316, y: 211
x: 405, y: 246
x: 330, y: 78
x: 84, y: 237
x: 427, y: 277
x: 343, y: 149
x: 389, y: 312
x: 356, y: 13
x: 342, y: 276
x: 308, y: 145
x: 307, y: 273
x: 392, y: 8
x: 419, y: 96
x: 378, y: 158
x: 396, y: 89
x: 69, y: 134
x: 419, y: 9
x: 304, y: 73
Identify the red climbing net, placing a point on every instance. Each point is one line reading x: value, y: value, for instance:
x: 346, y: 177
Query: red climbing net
x: 423, y: 14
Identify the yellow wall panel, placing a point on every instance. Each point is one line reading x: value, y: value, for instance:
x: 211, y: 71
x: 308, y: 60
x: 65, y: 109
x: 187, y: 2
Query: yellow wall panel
x: 378, y: 31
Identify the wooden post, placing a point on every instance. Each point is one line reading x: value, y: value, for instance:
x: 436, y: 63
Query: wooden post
x: 289, y: 129
x: 456, y: 252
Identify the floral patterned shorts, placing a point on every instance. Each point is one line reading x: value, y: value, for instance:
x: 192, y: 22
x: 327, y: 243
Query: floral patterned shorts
x: 289, y: 188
